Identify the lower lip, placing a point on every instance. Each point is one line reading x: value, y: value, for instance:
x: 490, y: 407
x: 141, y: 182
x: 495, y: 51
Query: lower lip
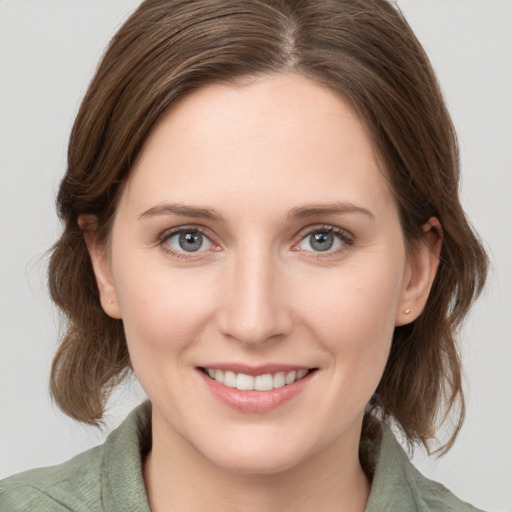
x: 255, y: 401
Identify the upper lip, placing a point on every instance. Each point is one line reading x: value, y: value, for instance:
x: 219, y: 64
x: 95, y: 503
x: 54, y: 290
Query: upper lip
x: 256, y: 370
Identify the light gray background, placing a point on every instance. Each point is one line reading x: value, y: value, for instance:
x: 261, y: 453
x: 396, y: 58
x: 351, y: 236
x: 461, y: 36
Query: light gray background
x: 48, y: 52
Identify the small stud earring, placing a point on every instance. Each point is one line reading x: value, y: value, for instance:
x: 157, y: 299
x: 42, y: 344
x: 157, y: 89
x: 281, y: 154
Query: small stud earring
x: 110, y: 301
x: 407, y: 311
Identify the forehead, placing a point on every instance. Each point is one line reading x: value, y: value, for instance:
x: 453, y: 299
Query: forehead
x: 282, y: 137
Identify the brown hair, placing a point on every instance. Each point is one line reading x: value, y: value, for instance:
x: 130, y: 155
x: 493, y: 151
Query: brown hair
x: 363, y: 49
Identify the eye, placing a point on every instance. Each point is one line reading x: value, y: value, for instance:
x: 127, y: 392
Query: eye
x: 327, y: 239
x: 188, y: 241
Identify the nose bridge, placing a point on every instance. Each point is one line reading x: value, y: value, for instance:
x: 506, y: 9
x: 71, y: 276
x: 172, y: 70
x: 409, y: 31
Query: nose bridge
x: 255, y: 308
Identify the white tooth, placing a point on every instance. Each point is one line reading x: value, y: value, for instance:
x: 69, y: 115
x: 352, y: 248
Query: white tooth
x: 211, y: 373
x: 219, y: 376
x: 230, y: 379
x: 264, y: 382
x: 279, y: 381
x: 301, y: 373
x: 290, y: 377
x: 244, y: 382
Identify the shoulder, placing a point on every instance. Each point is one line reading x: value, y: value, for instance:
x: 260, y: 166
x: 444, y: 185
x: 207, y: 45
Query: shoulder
x: 73, y: 485
x: 399, y: 487
x: 108, y: 477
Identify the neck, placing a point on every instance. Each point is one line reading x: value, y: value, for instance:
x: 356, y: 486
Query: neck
x: 180, y: 479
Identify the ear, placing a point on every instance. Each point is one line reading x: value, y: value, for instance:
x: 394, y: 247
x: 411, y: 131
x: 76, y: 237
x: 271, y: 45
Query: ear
x: 423, y: 260
x: 98, y: 253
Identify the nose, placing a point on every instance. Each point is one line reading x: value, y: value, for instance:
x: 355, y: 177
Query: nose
x: 255, y: 307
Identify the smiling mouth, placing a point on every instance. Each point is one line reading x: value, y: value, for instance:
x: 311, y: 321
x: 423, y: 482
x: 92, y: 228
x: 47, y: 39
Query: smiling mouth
x: 265, y: 382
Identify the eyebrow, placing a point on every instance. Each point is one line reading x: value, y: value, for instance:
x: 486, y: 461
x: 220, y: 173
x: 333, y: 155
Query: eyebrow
x: 301, y: 212
x: 181, y: 210
x: 316, y: 210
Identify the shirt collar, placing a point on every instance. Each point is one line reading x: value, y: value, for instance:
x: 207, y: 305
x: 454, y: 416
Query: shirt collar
x: 396, y: 486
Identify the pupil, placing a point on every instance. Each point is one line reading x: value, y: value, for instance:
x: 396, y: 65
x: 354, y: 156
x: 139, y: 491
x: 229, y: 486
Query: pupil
x: 191, y: 242
x: 322, y: 241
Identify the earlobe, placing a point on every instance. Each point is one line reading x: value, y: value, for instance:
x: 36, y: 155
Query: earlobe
x: 423, y: 262
x: 101, y: 265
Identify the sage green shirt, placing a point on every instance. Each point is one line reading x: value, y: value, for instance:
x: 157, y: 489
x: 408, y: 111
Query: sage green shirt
x: 109, y: 478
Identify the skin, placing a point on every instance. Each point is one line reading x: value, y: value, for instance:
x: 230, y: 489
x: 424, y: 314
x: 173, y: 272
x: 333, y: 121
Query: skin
x: 258, y: 292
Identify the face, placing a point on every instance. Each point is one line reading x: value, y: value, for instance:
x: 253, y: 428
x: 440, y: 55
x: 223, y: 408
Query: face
x: 259, y: 267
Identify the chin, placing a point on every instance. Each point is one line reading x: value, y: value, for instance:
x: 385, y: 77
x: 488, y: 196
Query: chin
x: 252, y: 458
x: 258, y: 465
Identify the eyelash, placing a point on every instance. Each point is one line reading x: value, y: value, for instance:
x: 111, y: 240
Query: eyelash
x: 346, y: 238
x: 167, y: 235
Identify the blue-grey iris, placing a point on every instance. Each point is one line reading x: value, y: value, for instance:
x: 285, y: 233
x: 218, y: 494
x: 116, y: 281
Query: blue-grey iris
x: 322, y: 241
x: 191, y: 241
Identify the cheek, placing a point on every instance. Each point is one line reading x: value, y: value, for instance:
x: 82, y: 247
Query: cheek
x: 356, y: 298
x: 352, y: 315
x: 164, y: 314
x: 162, y: 309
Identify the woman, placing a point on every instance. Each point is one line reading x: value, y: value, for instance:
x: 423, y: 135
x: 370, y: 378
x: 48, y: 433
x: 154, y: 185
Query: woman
x: 261, y: 221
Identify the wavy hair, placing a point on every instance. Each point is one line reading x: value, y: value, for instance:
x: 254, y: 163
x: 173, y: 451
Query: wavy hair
x: 362, y: 49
